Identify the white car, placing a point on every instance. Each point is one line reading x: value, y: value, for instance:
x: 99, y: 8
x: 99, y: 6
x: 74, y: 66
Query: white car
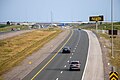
x: 74, y: 65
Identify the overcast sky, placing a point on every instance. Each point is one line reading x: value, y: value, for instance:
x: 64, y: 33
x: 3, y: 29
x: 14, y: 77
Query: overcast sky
x: 62, y: 10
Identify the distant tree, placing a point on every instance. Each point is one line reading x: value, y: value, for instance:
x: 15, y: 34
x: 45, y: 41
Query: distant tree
x: 18, y: 23
x: 8, y: 23
x: 100, y: 23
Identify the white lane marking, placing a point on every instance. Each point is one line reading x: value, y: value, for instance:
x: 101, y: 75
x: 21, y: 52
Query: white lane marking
x: 57, y: 78
x: 72, y: 53
x: 74, y: 48
x: 61, y: 72
x: 68, y: 61
x: 70, y: 57
x: 104, y: 46
x: 65, y: 66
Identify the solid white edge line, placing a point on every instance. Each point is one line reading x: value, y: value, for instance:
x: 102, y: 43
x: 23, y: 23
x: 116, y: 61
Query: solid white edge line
x: 87, y: 57
x: 57, y: 78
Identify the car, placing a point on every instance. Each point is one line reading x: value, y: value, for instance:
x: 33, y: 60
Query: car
x: 66, y: 50
x: 74, y: 65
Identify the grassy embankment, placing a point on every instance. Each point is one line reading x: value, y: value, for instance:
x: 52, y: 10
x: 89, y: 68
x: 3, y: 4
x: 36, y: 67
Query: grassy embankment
x: 15, y: 49
x: 116, y: 60
x: 105, y: 26
x: 4, y: 28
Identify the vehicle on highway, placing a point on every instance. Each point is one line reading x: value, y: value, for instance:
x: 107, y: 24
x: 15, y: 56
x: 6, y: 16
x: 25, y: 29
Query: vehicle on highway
x: 66, y: 50
x: 74, y: 65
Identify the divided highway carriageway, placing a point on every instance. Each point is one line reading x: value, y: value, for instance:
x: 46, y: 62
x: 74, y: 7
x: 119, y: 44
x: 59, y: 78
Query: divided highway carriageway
x: 56, y: 65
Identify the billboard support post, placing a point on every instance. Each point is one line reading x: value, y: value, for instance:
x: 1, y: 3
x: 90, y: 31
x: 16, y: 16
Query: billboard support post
x: 96, y: 26
x: 96, y: 19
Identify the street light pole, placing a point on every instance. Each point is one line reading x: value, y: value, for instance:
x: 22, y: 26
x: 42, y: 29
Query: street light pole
x: 112, y: 45
x: 112, y: 26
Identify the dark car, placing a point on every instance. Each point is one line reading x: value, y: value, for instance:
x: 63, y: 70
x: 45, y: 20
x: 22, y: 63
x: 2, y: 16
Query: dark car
x: 66, y: 50
x: 74, y: 65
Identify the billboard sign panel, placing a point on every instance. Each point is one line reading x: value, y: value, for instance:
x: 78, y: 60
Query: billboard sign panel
x: 96, y: 18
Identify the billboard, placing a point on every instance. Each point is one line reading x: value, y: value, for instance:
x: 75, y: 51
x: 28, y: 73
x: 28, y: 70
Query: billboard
x: 96, y: 18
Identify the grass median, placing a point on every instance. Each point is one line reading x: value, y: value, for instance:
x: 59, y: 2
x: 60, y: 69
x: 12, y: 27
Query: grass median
x: 15, y: 49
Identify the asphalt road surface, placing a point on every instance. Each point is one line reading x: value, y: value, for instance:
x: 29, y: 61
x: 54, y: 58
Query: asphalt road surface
x: 56, y: 65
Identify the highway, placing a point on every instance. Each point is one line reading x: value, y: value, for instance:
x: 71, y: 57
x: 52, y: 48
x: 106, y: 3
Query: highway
x: 56, y: 65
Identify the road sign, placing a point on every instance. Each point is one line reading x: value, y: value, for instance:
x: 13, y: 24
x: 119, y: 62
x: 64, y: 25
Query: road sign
x: 115, y: 32
x: 96, y: 18
x: 113, y: 76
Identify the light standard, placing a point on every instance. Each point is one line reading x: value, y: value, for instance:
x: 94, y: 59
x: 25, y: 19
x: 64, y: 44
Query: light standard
x: 112, y: 50
x: 112, y: 26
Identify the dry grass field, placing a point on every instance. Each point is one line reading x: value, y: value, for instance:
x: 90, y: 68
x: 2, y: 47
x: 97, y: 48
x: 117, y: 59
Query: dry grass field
x: 14, y: 50
x: 116, y: 60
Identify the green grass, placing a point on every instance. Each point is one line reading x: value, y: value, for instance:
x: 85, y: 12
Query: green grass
x: 3, y: 25
x: 107, y: 26
x: 5, y: 28
x: 104, y: 26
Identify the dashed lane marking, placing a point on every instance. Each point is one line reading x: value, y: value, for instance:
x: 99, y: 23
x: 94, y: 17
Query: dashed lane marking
x: 65, y: 66
x: 68, y: 61
x: 57, y: 78
x: 61, y: 72
x: 72, y: 53
x: 51, y: 58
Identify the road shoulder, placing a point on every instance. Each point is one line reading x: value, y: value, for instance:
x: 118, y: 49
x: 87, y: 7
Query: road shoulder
x: 94, y: 64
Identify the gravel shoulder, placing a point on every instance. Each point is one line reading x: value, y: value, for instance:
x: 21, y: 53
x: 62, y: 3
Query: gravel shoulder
x: 32, y: 61
x: 94, y: 64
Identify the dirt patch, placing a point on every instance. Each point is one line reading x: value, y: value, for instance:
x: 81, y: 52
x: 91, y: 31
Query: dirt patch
x: 105, y: 41
x: 105, y: 50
